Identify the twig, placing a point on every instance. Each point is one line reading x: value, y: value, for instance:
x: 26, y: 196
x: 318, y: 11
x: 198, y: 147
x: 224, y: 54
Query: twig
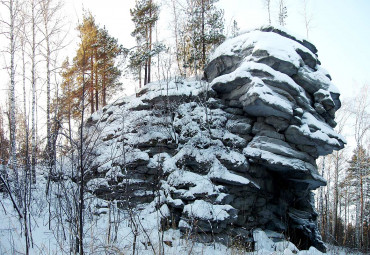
x: 11, y: 197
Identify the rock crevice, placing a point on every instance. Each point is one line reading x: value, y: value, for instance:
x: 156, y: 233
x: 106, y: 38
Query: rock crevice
x: 227, y: 155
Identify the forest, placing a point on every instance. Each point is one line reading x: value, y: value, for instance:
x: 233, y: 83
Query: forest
x: 57, y: 76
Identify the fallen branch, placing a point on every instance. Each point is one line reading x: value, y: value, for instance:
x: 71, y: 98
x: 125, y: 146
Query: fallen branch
x: 11, y: 197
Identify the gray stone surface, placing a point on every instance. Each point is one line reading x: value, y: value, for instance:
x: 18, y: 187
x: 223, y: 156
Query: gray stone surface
x: 247, y: 150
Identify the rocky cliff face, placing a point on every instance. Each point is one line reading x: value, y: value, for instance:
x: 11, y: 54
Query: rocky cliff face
x: 222, y: 157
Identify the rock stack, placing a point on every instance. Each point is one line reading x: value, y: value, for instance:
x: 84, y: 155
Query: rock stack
x: 222, y: 157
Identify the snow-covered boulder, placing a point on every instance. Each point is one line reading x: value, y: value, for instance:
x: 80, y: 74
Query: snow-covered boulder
x: 227, y: 155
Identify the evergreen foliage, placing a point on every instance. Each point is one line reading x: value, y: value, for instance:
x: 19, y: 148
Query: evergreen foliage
x: 358, y: 178
x: 203, y: 30
x: 144, y: 15
x: 97, y: 56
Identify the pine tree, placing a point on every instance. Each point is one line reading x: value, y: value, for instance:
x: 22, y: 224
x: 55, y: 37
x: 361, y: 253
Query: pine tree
x: 96, y: 60
x: 203, y: 30
x: 357, y: 174
x: 89, y: 34
x: 144, y: 15
x: 107, y: 71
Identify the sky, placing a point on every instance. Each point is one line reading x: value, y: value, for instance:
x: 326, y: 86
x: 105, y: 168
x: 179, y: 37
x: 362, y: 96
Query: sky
x: 340, y: 29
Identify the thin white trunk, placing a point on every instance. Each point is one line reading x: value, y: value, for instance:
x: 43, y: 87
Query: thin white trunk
x: 33, y: 81
x: 12, y: 91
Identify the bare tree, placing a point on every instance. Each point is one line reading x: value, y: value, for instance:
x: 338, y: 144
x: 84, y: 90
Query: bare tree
x: 307, y: 16
x: 283, y: 13
x: 268, y: 7
x: 176, y: 23
x: 360, y: 111
x: 11, y: 33
x: 52, y: 42
x: 339, y: 159
x: 34, y: 19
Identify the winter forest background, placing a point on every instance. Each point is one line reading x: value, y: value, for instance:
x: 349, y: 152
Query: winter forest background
x: 63, y: 60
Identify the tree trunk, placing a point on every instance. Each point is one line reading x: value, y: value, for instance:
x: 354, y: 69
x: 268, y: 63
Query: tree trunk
x: 33, y: 81
x: 13, y: 147
x: 336, y: 195
x: 104, y: 90
x: 140, y: 77
x: 92, y: 84
x: 146, y: 73
x: 150, y: 45
x: 96, y: 85
x: 203, y: 37
x: 176, y: 38
x: 81, y: 163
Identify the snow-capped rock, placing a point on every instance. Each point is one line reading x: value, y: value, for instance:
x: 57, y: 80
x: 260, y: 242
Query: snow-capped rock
x: 228, y: 155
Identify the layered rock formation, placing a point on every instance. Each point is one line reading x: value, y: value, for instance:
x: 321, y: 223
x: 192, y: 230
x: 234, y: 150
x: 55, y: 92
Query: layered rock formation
x: 222, y: 157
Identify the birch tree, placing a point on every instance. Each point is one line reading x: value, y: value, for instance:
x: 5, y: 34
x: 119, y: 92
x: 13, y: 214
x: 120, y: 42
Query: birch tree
x: 307, y: 17
x: 51, y: 30
x: 267, y: 4
x: 11, y: 29
x: 34, y: 19
x: 283, y: 13
x: 361, y: 130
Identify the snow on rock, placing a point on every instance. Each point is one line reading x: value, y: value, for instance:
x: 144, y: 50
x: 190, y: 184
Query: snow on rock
x: 206, y: 211
x: 220, y: 157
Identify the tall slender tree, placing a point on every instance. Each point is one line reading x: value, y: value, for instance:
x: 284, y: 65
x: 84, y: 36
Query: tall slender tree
x: 101, y: 52
x: 307, y: 16
x: 283, y: 13
x: 145, y: 14
x: 52, y: 42
x: 11, y: 33
x: 203, y: 30
x: 268, y: 8
x: 107, y: 69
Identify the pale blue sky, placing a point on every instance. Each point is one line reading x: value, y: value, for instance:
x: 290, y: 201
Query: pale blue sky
x: 341, y: 30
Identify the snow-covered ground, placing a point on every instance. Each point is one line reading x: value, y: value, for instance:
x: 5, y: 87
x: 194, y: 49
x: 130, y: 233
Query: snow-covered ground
x: 110, y: 230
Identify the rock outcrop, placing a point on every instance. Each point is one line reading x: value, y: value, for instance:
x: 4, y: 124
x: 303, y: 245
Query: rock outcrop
x: 222, y: 157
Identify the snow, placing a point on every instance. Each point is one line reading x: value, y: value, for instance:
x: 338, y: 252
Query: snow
x: 262, y: 241
x: 198, y: 184
x: 96, y: 183
x: 220, y: 172
x: 149, y: 237
x: 332, y: 87
x: 323, y: 131
x: 276, y: 45
x: 172, y: 87
x: 201, y: 209
x: 277, y: 160
x: 264, y: 93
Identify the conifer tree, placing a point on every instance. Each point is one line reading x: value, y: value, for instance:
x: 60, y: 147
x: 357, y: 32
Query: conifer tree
x: 97, y: 61
x: 203, y: 30
x: 357, y: 174
x: 107, y: 71
x: 89, y: 31
x: 144, y: 15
